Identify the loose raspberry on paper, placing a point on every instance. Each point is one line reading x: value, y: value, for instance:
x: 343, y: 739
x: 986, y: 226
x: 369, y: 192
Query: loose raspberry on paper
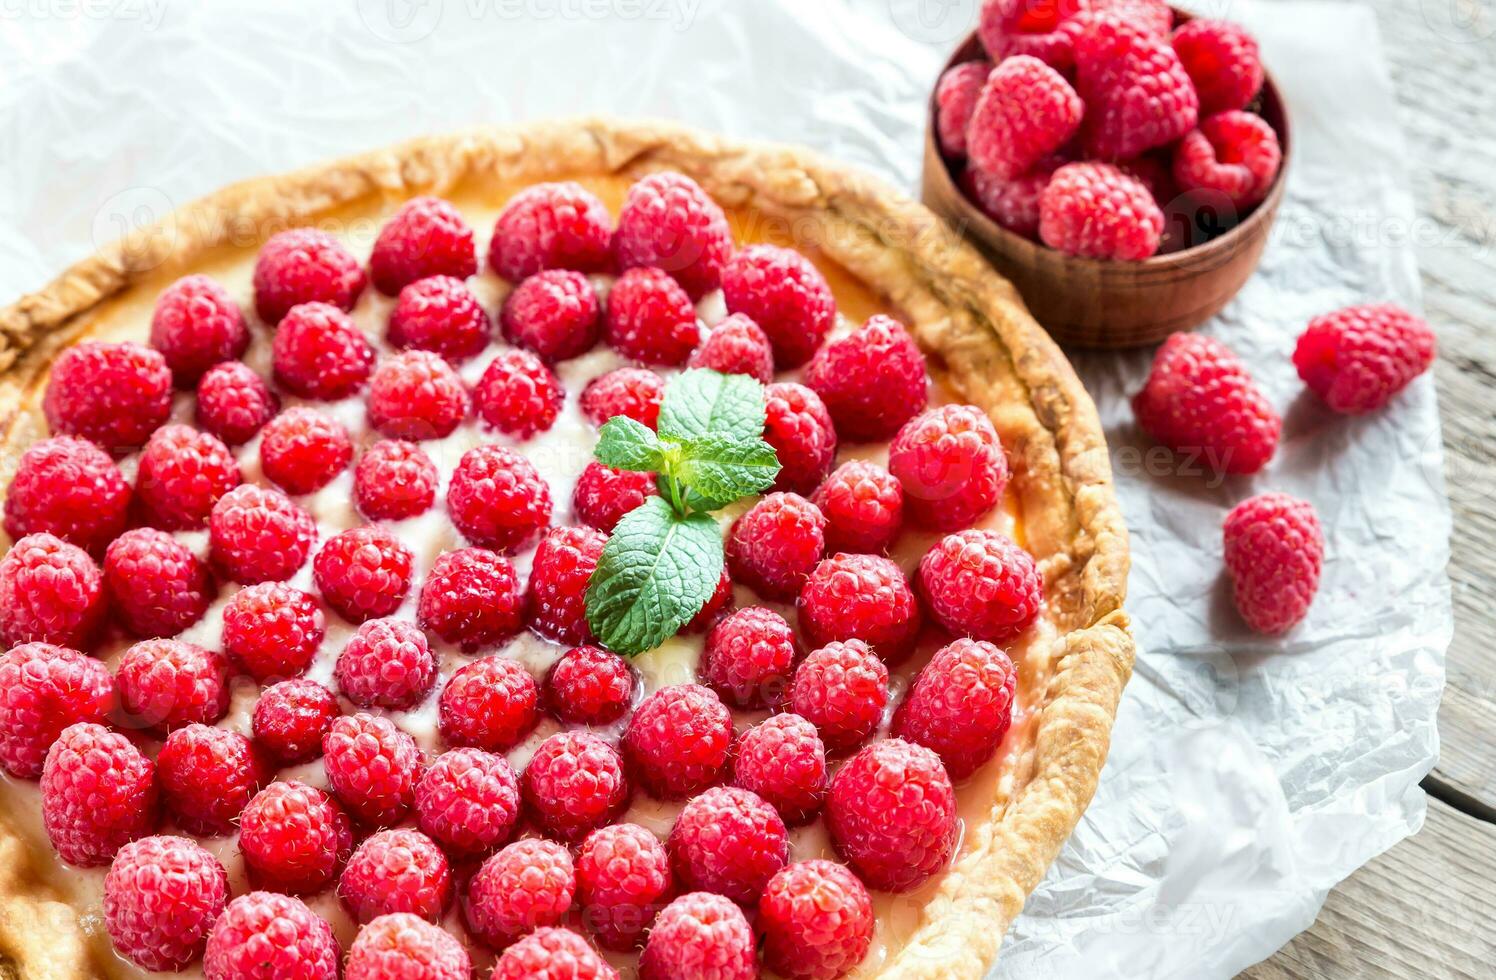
x: 872, y: 381
x: 1274, y: 553
x: 518, y: 395
x: 951, y: 466
x: 320, y: 353
x: 394, y: 480
x: 265, y: 936
x: 363, y: 573
x: 256, y: 534
x: 667, y: 221
x: 155, y: 585
x: 441, y: 315
x: 980, y: 584
x: 892, y: 815
x: 425, y: 237
x: 468, y: 801
x: 700, y: 935
x: 396, y: 871
x: 774, y: 546
x: 1199, y: 400
x: 860, y: 597
x: 489, y: 704
x: 551, y: 226
x: 1026, y: 111
x: 471, y: 598
x: 181, y: 474
x: 304, y: 265
x: 842, y: 689
x: 678, y: 741
x: 98, y: 794
x: 623, y: 880
x: 294, y: 838
x: 196, y: 325
x: 783, y: 760
x: 781, y: 291
x: 497, y: 499
x: 302, y: 450
x: 43, y: 690
x: 290, y: 719
x: 115, y: 395
x: 161, y: 898
x: 574, y: 784
x: 233, y: 402
x: 817, y: 920
x: 527, y: 885
x: 50, y: 592
x: 70, y: 488
x: 416, y: 395
x: 1358, y: 358
x: 554, y: 313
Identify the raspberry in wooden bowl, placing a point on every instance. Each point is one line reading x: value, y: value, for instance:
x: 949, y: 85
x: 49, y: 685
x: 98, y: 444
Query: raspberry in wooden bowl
x: 1120, y: 218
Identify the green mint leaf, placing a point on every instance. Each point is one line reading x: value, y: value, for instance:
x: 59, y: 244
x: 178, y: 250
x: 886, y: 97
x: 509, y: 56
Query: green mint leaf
x: 725, y: 469
x: 625, y: 444
x: 656, y: 572
x: 702, y: 403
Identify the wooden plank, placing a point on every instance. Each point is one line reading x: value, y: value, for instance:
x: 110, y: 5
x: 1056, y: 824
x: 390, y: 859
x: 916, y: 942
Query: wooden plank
x: 1423, y: 909
x: 1444, y: 70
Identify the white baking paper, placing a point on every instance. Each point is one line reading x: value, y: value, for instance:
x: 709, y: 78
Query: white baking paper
x: 1246, y: 777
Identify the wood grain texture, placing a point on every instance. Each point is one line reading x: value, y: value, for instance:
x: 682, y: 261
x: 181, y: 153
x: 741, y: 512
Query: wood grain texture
x: 1423, y: 908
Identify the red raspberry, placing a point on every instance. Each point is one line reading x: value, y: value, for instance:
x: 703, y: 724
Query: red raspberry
x: 1152, y: 16
x: 44, y: 689
x: 736, y: 345
x: 860, y: 597
x: 156, y: 587
x: 1026, y: 112
x: 440, y: 314
x: 650, y: 318
x: 394, y: 480
x: 50, y: 592
x: 1137, y: 94
x: 302, y: 450
x: 781, y: 291
x: 161, y: 897
x: 552, y: 954
x: 426, y: 237
x: 728, y: 841
x: 980, y: 584
x: 468, y: 801
x: 700, y: 935
x: 233, y: 402
x: 527, y: 885
x: 667, y: 221
x: 1356, y: 359
x: 748, y: 657
x: 489, y: 704
x: 603, y: 495
x: 721, y: 601
x: 196, y: 325
x: 589, y: 686
x: 1233, y: 154
x: 635, y: 393
x: 872, y: 381
x: 272, y: 631
x: 864, y: 508
x: 363, y: 573
x: 1222, y: 60
x: 70, y: 488
x: 402, y: 946
x: 319, y: 352
x: 386, y: 664
x: 471, y: 598
x: 497, y: 499
x: 623, y: 880
x: 396, y: 871
x: 290, y: 719
x: 264, y: 936
x: 774, y: 546
x: 555, y: 599
x: 951, y: 466
x: 955, y: 98
x: 1274, y: 552
x: 784, y: 761
x: 1097, y: 211
x: 416, y: 395
x: 257, y: 534
x: 554, y: 313
x: 842, y: 689
x: 165, y: 684
x: 207, y: 776
x: 551, y: 226
x: 294, y: 837
x: 98, y: 794
x: 799, y: 428
x: 574, y: 784
x: 372, y: 767
x: 304, y: 265
x: 892, y: 815
x: 960, y: 705
x: 518, y: 394
x: 1200, y: 400
x: 181, y: 475
x: 817, y: 920
x: 1014, y: 204
x: 112, y: 394
x: 1044, y: 29
x: 678, y: 741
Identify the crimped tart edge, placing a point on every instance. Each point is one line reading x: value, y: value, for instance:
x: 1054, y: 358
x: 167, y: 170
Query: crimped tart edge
x: 970, y: 320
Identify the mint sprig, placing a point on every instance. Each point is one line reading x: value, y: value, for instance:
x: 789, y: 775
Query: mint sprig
x: 664, y: 559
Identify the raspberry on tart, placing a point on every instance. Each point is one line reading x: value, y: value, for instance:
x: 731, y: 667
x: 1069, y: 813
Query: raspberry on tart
x: 69, y: 488
x: 403, y: 945
x: 528, y: 885
x: 50, y: 592
x: 552, y: 954
x: 700, y: 935
x: 265, y: 936
x: 426, y: 237
x: 518, y: 395
x: 115, y: 395
x: 46, y: 689
x: 304, y: 265
x: 394, y: 480
x: 207, y: 777
x: 781, y: 291
x: 668, y: 222
x: 587, y: 685
x: 396, y: 872
x: 290, y: 719
x: 440, y: 314
x: 551, y: 226
x: 471, y: 597
x: 161, y: 898
x: 677, y: 743
x: 416, y: 395
x: 554, y: 313
x: 234, y: 403
x: 747, y: 657
x: 800, y: 429
x: 468, y: 801
x: 372, y: 767
x: 386, y: 664
x: 774, y: 546
x: 320, y: 353
x: 728, y: 841
x: 489, y: 704
x: 294, y: 838
x: 574, y: 784
x: 623, y: 880
x: 196, y: 325
x: 497, y: 499
x: 156, y: 585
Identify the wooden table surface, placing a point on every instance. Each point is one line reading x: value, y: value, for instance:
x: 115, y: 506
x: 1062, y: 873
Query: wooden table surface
x: 1425, y: 908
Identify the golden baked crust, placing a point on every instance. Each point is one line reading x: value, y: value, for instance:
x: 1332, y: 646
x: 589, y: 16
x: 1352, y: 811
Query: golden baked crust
x: 971, y: 323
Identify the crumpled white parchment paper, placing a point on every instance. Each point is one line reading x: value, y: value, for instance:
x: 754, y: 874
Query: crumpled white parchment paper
x: 1246, y: 778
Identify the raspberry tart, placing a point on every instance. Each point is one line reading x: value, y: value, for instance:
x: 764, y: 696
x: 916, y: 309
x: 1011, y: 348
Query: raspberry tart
x: 643, y: 552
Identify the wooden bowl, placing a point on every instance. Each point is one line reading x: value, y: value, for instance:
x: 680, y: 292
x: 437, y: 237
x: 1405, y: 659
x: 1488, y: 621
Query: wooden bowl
x: 1112, y: 304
